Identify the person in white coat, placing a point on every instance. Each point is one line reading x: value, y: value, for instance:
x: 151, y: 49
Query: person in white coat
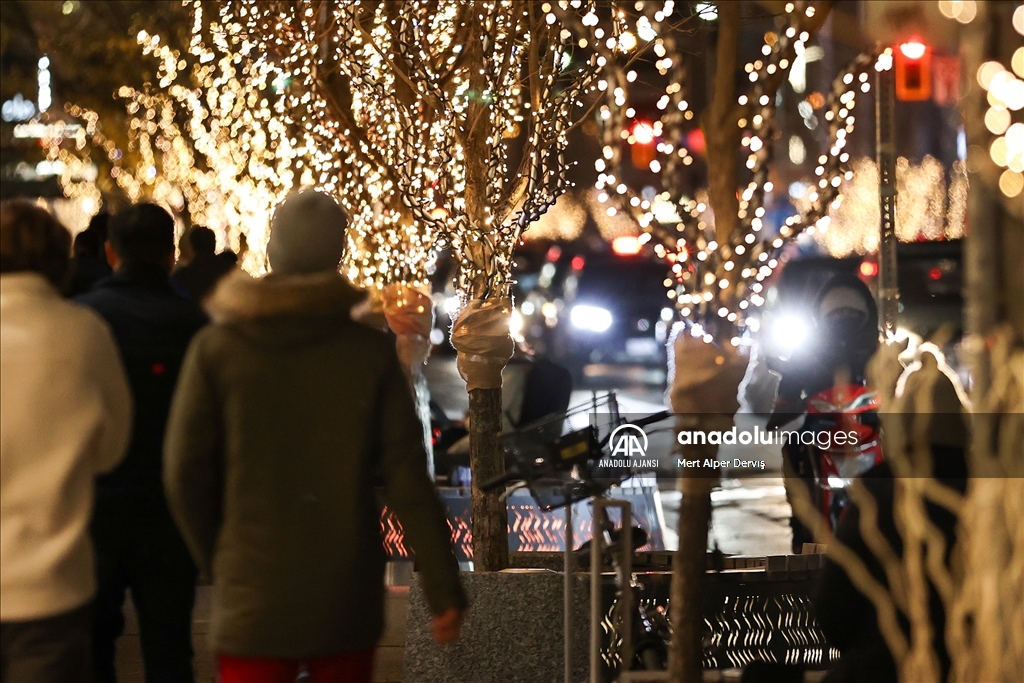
x: 65, y: 416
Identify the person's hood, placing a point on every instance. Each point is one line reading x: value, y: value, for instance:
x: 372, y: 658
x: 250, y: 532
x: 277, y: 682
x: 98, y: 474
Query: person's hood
x: 283, y: 309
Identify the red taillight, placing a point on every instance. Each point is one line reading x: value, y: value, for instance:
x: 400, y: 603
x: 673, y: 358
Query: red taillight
x: 869, y: 269
x: 696, y: 142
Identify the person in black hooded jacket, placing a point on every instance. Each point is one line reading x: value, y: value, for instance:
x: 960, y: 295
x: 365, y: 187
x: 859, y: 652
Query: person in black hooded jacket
x: 847, y: 617
x: 138, y: 547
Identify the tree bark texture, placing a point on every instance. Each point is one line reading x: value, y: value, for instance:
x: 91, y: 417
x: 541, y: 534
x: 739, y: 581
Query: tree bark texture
x: 486, y: 459
x: 721, y: 132
x: 688, y: 566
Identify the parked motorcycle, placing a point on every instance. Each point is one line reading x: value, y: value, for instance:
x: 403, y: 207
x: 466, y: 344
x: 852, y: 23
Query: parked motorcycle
x: 823, y: 381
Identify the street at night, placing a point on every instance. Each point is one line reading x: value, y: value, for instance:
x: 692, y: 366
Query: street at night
x: 511, y: 341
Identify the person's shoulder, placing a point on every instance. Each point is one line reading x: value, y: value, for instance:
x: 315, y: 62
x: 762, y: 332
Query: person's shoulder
x: 184, y: 270
x: 214, y: 343
x: 376, y: 342
x: 81, y: 320
x: 95, y: 296
x: 176, y: 304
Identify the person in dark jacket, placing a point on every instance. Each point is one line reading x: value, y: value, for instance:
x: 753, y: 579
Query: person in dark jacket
x: 287, y: 415
x: 138, y: 547
x: 848, y: 618
x: 206, y: 267
x: 89, y: 262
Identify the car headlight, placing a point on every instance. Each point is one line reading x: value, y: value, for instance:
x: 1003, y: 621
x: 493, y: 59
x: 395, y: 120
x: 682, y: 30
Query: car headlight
x: 592, y: 318
x: 790, y: 332
x: 515, y: 325
x: 451, y: 305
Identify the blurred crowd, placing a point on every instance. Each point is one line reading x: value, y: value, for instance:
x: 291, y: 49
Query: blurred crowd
x: 169, y: 424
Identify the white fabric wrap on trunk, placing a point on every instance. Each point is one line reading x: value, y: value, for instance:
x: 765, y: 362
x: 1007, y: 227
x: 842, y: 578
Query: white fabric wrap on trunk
x: 480, y: 335
x: 706, y: 381
x: 410, y: 315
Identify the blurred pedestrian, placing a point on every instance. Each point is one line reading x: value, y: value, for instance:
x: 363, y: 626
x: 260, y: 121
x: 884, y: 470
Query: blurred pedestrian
x: 846, y: 616
x: 235, y: 259
x: 138, y: 546
x: 287, y: 414
x: 206, y: 267
x: 89, y: 261
x: 66, y: 417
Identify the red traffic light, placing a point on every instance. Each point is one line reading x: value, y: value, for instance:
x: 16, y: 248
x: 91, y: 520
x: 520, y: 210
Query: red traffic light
x: 913, y: 63
x: 913, y: 49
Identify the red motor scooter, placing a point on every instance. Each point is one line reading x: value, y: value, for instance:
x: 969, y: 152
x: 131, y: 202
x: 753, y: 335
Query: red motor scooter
x: 824, y: 382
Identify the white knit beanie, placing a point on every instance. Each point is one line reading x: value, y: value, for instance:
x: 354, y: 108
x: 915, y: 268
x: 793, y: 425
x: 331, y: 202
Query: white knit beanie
x: 307, y: 234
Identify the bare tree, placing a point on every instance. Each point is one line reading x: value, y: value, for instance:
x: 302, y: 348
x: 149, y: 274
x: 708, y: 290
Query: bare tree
x: 718, y: 265
x: 977, y: 580
x: 459, y: 110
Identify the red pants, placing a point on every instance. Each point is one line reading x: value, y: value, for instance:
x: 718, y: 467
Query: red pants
x: 350, y: 667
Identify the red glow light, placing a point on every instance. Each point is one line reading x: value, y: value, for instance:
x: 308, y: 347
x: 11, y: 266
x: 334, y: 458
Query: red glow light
x: 696, y: 142
x: 869, y: 269
x: 577, y: 262
x: 935, y: 273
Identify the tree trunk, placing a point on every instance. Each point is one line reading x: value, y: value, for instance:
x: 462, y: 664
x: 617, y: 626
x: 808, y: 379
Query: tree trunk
x: 688, y: 566
x: 486, y: 459
x: 994, y: 245
x: 486, y: 456
x: 983, y: 631
x: 721, y: 132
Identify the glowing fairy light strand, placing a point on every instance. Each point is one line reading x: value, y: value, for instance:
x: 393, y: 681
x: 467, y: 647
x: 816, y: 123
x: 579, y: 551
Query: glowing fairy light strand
x: 393, y: 83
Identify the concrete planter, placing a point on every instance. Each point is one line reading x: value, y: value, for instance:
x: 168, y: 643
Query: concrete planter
x: 513, y: 632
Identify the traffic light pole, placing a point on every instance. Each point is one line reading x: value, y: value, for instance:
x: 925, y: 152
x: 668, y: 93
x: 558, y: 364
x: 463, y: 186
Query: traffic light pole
x: 888, y: 287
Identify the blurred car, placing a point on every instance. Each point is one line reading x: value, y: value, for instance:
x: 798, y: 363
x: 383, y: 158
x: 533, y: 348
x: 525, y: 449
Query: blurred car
x: 930, y: 276
x: 614, y: 310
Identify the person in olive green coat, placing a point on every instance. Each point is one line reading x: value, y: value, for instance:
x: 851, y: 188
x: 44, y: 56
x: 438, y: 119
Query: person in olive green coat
x: 287, y: 416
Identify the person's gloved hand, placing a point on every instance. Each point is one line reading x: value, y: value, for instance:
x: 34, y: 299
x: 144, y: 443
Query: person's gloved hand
x: 447, y: 625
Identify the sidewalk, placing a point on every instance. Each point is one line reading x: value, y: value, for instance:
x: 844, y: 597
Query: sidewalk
x: 387, y: 668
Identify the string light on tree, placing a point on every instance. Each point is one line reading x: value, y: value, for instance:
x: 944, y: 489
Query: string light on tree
x: 712, y: 279
x: 1004, y: 117
x: 393, y: 85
